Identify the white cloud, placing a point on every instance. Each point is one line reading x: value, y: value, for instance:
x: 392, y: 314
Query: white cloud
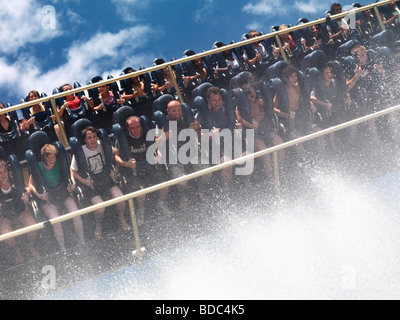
x: 281, y: 8
x: 129, y: 10
x: 277, y: 10
x: 264, y: 7
x: 103, y: 54
x: 21, y: 25
x: 312, y: 6
x: 203, y: 11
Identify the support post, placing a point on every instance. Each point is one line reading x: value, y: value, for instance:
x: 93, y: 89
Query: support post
x: 378, y: 16
x: 277, y: 180
x: 178, y: 91
x: 283, y: 53
x: 139, y: 250
x: 59, y: 122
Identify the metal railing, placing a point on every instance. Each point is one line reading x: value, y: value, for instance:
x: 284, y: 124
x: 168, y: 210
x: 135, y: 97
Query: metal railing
x: 274, y: 150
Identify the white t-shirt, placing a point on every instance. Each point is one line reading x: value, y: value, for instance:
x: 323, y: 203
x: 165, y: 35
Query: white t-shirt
x: 94, y: 159
x: 342, y: 24
x: 234, y: 64
x: 260, y: 49
x: 397, y: 12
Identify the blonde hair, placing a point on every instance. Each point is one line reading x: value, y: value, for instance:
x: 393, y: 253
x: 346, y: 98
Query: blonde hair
x: 47, y: 150
x: 356, y: 50
x: 130, y: 119
x: 3, y: 164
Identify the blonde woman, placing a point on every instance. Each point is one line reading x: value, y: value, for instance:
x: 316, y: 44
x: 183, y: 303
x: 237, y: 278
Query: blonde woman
x: 57, y: 195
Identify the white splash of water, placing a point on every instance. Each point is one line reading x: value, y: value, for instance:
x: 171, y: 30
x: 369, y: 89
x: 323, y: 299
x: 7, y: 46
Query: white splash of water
x: 346, y: 244
x: 343, y: 244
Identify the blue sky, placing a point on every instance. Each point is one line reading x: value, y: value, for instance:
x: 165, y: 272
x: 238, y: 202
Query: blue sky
x: 89, y: 38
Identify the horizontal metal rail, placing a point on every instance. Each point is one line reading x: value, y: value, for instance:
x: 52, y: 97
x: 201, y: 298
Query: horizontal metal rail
x: 190, y: 58
x: 198, y: 174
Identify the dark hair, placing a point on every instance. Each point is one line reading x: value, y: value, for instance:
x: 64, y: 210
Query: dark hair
x: 87, y: 129
x: 35, y: 92
x: 289, y: 70
x: 213, y: 90
x: 333, y: 6
x: 247, y: 88
x: 129, y: 70
x: 62, y: 87
x: 319, y: 28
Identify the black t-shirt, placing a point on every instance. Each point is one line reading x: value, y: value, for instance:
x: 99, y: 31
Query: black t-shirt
x: 367, y: 87
x: 8, y: 129
x: 11, y: 203
x: 138, y: 147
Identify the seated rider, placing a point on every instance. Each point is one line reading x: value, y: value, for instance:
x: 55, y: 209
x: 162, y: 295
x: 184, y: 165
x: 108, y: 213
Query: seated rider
x: 107, y: 100
x: 363, y: 86
x: 295, y: 116
x: 175, y: 168
x: 265, y: 136
x: 13, y: 212
x: 168, y: 85
x: 38, y: 112
x: 138, y: 87
x: 57, y: 194
x: 6, y: 125
x: 327, y: 98
x: 72, y: 102
x: 100, y: 184
x: 144, y: 174
x: 201, y: 72
x: 220, y: 120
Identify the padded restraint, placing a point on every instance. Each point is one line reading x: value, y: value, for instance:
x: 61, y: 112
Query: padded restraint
x: 76, y: 142
x: 17, y: 173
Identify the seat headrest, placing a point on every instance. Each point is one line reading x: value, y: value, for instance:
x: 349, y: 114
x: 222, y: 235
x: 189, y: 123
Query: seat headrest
x: 158, y: 61
x: 3, y: 155
x: 275, y: 71
x: 316, y: 59
x: 244, y: 37
x: 302, y: 20
x: 122, y: 114
x: 345, y: 49
x: 218, y: 44
x: 77, y: 128
x: 36, y: 142
x: 188, y: 53
x: 127, y: 70
x: 95, y: 79
x: 160, y: 104
x: 201, y: 90
x: 274, y: 29
x: 349, y: 65
x: 240, y: 79
x: 386, y: 38
x: 386, y: 56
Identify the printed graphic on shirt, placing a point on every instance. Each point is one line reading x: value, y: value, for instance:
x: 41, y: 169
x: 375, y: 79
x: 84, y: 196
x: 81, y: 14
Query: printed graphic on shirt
x: 96, y: 163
